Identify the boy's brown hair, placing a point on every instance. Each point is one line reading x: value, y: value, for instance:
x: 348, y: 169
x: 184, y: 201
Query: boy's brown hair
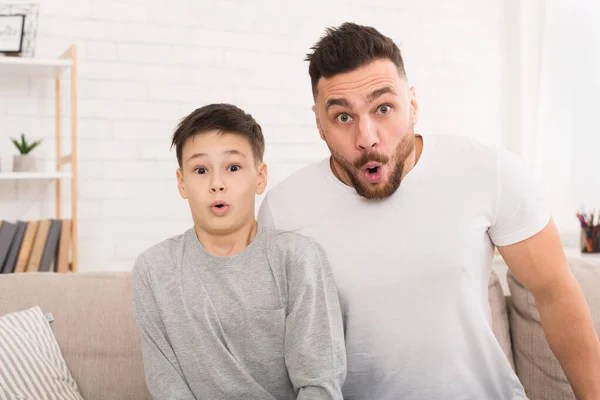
x: 347, y: 48
x: 224, y: 118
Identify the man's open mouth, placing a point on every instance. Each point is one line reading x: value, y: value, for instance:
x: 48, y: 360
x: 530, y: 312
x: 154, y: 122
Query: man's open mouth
x: 373, y: 172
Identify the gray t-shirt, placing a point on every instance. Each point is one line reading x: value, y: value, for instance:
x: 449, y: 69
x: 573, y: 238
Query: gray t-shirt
x: 262, y: 324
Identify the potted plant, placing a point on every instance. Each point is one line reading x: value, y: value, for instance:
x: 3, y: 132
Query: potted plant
x: 24, y: 161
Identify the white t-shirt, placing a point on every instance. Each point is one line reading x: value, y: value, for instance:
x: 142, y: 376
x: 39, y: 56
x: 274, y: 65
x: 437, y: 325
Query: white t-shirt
x: 412, y: 270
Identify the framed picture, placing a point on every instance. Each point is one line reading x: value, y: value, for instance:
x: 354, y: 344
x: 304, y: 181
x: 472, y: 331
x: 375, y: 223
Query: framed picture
x: 12, y: 28
x: 18, y: 27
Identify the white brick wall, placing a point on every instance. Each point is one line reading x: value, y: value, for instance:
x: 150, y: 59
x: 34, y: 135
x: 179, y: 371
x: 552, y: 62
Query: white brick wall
x: 145, y: 64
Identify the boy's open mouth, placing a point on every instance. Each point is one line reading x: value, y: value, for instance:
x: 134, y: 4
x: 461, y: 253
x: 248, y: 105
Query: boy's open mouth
x: 219, y: 207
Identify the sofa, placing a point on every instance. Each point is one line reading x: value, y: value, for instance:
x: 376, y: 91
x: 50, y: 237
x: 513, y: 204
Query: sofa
x: 96, y: 332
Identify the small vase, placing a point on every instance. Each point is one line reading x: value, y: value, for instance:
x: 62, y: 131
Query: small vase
x: 24, y: 163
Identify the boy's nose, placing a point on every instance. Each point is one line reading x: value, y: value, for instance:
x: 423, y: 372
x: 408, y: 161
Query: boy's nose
x: 218, y: 187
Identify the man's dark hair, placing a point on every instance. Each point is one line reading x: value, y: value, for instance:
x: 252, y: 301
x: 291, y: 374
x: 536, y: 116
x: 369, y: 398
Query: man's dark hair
x: 348, y: 47
x: 224, y: 118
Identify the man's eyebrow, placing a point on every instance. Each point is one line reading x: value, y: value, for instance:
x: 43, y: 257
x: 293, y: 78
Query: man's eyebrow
x: 232, y: 152
x: 380, y: 92
x: 336, y: 102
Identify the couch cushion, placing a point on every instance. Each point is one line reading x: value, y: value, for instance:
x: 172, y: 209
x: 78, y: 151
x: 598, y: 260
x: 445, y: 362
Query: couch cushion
x: 31, y: 363
x: 499, y: 311
x: 93, y: 325
x: 537, y: 367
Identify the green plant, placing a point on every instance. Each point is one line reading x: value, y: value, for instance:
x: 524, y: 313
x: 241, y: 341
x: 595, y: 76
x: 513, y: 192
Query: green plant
x: 23, y: 146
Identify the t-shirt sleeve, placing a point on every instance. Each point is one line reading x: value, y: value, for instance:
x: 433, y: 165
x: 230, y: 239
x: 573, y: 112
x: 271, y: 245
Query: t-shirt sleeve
x: 314, y: 340
x: 520, y: 210
x: 164, y: 377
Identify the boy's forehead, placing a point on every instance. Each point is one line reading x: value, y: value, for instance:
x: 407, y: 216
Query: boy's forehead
x: 216, y: 143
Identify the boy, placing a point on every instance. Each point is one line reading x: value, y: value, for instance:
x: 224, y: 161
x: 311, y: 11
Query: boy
x: 230, y: 309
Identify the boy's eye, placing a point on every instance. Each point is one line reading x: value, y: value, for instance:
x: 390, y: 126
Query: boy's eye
x: 200, y: 171
x: 234, y: 168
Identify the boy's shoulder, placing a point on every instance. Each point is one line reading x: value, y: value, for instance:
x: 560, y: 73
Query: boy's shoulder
x: 292, y: 245
x: 164, y: 255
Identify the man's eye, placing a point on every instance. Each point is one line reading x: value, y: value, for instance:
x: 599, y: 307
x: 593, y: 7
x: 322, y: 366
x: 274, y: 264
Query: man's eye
x: 234, y: 168
x: 200, y: 171
x: 344, y: 118
x: 384, y: 109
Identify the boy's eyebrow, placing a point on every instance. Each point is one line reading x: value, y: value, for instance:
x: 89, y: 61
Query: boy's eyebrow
x: 229, y: 152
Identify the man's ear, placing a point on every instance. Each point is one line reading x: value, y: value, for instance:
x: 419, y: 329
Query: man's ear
x: 414, y: 109
x: 180, y: 184
x: 261, y: 178
x: 318, y: 122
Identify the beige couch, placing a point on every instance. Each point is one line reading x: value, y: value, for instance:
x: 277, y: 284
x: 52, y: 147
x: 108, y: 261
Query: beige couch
x: 96, y: 331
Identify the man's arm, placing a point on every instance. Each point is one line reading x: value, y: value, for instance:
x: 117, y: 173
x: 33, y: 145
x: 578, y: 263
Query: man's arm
x: 540, y: 265
x: 315, y: 352
x: 164, y: 377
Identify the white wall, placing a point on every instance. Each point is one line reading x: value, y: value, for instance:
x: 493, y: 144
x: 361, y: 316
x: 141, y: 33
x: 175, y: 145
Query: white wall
x: 145, y: 64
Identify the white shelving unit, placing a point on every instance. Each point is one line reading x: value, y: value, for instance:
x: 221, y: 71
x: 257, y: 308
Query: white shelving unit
x: 35, y: 175
x: 38, y: 67
x: 53, y: 68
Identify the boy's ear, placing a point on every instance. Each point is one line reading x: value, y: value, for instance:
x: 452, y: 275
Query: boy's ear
x: 180, y: 184
x: 261, y: 178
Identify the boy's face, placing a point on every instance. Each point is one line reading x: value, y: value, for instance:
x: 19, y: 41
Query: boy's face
x: 220, y: 178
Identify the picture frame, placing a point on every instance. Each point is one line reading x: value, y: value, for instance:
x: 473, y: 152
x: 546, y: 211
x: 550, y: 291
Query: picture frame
x: 30, y: 11
x: 12, y: 31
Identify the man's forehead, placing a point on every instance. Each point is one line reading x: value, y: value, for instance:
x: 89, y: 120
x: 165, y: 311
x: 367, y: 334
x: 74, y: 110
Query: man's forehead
x: 366, y: 91
x: 361, y: 82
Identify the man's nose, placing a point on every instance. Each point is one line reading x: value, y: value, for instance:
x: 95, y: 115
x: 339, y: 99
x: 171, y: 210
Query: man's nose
x: 366, y: 137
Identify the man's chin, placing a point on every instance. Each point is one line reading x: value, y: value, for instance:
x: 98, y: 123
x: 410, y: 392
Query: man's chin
x: 374, y: 191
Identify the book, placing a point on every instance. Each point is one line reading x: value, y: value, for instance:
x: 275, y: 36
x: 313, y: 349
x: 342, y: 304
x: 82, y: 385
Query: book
x: 64, y: 244
x: 38, y: 246
x: 50, y: 247
x: 11, y: 260
x: 7, y: 233
x: 26, y: 246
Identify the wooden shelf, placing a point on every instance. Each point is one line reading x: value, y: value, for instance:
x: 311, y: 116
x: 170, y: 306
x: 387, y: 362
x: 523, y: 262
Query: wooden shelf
x: 37, y: 67
x: 53, y: 69
x: 35, y: 175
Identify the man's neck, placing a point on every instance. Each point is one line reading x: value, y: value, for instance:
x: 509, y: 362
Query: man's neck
x: 415, y: 155
x: 228, y: 244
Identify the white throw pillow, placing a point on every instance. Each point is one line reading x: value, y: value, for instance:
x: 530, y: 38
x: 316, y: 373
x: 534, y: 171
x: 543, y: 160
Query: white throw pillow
x: 31, y: 363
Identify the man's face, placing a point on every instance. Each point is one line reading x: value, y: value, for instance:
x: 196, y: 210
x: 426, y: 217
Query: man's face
x: 220, y: 178
x: 367, y: 119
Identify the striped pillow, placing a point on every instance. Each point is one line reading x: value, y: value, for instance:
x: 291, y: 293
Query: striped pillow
x: 31, y: 363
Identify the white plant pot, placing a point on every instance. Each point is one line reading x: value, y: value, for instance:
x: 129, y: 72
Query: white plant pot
x: 24, y: 163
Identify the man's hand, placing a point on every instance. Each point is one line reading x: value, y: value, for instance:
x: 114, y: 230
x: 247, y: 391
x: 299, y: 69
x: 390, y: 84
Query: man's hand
x: 540, y: 265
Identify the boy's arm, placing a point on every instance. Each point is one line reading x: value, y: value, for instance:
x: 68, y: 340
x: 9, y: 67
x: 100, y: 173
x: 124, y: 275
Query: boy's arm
x: 315, y: 352
x: 164, y: 377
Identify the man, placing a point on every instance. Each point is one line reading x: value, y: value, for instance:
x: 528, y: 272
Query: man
x: 409, y: 223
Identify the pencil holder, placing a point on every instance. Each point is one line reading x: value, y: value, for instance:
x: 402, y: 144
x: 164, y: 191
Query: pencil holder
x: 590, y: 239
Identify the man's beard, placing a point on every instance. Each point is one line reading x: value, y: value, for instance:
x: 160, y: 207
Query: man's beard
x: 397, y: 162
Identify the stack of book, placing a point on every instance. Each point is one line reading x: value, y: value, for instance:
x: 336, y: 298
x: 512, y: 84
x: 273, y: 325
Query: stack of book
x: 35, y: 246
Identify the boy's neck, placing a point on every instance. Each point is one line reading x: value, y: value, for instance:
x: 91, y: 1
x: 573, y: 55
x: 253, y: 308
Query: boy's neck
x: 229, y: 244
